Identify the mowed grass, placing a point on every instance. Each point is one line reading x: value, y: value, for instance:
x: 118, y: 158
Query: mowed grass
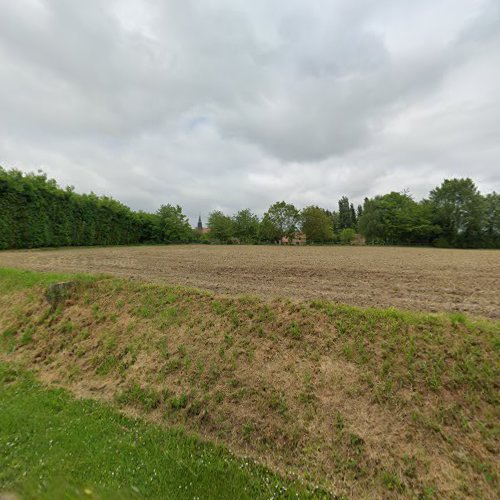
x: 53, y: 446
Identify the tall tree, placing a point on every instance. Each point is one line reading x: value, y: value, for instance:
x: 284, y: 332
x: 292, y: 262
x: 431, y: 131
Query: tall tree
x: 221, y: 226
x: 173, y: 225
x: 396, y: 219
x: 335, y: 222
x: 316, y: 225
x: 281, y: 220
x: 345, y: 214
x: 246, y: 226
x: 359, y: 212
x: 268, y: 232
x: 354, y: 219
x: 459, y: 210
x: 149, y: 225
x: 492, y: 220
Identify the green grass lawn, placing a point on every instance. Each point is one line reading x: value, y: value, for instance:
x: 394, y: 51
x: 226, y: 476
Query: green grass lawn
x: 53, y: 446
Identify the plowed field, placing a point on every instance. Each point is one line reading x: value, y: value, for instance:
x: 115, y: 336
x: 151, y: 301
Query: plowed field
x: 406, y: 278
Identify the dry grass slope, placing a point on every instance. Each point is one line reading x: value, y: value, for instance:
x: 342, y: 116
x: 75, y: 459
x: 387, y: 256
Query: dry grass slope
x: 365, y: 402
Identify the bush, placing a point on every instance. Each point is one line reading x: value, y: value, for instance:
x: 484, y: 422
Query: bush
x: 441, y: 243
x: 347, y: 236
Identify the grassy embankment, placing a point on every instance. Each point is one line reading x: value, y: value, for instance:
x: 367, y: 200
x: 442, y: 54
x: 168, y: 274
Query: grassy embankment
x: 361, y: 401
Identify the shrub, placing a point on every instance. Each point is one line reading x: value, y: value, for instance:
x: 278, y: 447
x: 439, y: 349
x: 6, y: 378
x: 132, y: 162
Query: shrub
x: 441, y: 243
x: 347, y: 236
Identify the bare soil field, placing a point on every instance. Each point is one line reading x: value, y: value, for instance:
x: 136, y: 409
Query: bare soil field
x: 422, y: 279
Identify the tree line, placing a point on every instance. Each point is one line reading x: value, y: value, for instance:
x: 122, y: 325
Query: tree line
x: 36, y: 212
x: 455, y: 214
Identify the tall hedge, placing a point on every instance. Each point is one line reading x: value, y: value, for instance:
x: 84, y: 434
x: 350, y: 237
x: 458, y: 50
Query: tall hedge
x: 36, y: 212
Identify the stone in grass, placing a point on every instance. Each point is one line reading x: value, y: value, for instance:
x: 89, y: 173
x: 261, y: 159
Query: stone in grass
x: 59, y: 292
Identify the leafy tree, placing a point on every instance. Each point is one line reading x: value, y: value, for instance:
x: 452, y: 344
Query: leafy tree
x: 149, y: 227
x: 246, y: 226
x: 281, y: 220
x: 316, y: 224
x: 173, y: 225
x: 458, y: 208
x: 359, y: 212
x: 347, y: 235
x: 396, y: 219
x: 268, y: 232
x: 345, y: 214
x: 221, y: 227
x: 335, y: 222
x: 354, y: 219
x: 492, y: 220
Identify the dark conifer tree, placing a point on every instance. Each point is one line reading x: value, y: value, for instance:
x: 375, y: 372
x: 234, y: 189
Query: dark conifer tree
x: 354, y: 219
x: 345, y: 214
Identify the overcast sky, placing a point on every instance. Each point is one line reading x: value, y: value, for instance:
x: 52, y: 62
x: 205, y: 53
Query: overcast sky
x: 227, y: 104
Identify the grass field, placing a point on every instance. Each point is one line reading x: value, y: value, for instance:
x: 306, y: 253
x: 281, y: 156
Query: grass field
x: 362, y: 402
x: 420, y: 279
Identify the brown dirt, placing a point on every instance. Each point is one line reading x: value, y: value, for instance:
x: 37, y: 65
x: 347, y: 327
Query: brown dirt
x: 423, y: 279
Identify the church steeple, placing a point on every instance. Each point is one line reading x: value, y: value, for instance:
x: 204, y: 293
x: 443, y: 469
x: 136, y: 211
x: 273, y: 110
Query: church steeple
x: 200, y: 225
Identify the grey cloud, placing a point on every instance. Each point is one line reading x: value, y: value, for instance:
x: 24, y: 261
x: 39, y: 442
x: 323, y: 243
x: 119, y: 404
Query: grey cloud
x: 230, y: 103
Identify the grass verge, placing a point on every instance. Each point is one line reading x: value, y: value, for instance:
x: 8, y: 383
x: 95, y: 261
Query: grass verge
x: 53, y: 446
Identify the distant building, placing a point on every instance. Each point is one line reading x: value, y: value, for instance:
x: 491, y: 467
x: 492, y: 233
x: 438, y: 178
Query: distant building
x: 200, y: 228
x: 298, y: 239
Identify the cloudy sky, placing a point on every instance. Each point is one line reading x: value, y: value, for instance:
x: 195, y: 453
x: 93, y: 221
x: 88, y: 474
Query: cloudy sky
x: 236, y: 103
